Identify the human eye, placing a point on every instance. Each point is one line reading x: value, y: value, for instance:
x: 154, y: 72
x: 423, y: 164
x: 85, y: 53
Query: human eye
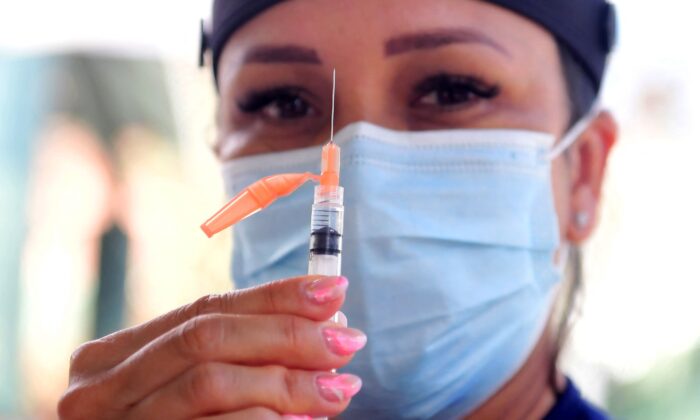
x: 278, y: 104
x: 449, y: 92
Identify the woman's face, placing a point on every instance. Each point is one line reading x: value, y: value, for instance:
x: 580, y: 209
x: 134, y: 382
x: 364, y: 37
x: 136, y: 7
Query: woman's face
x: 401, y: 64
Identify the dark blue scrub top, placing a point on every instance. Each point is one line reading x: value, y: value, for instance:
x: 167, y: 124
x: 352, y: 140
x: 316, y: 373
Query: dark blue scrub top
x: 571, y: 406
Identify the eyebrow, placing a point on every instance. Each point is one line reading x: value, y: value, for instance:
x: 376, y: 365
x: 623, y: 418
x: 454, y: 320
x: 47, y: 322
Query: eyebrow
x: 267, y: 54
x: 438, y: 38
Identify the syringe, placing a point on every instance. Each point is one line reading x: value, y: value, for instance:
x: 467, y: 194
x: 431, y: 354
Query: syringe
x: 326, y: 243
x: 327, y: 212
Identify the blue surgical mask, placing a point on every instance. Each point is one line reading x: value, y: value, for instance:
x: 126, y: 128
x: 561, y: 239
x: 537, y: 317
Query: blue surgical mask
x: 449, y: 246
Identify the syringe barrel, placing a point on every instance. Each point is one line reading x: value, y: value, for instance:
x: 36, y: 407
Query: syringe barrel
x: 326, y: 242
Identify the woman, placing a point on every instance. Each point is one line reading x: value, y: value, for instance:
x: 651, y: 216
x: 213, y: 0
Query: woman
x: 460, y: 212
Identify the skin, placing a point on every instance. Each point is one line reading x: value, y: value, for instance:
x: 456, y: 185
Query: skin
x: 191, y: 362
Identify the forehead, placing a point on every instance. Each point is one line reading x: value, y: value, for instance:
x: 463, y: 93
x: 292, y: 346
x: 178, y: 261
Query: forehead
x: 364, y: 26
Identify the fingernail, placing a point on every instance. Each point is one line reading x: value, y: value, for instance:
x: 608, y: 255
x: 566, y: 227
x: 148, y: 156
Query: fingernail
x: 295, y: 417
x: 326, y: 289
x: 338, y: 388
x: 344, y: 341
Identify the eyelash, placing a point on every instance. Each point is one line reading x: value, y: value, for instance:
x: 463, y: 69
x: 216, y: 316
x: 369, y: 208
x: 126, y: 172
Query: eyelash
x: 256, y: 102
x: 461, y: 90
x: 443, y: 91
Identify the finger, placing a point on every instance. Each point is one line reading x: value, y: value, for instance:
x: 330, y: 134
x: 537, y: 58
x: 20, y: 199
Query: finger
x: 217, y: 387
x: 242, y: 339
x: 257, y: 413
x: 313, y: 297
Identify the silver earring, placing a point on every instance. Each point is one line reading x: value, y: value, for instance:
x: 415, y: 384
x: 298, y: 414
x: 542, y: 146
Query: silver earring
x: 582, y: 219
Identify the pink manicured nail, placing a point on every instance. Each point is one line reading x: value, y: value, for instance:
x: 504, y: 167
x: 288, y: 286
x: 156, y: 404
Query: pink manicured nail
x: 344, y: 341
x: 338, y: 388
x: 295, y: 417
x: 326, y: 289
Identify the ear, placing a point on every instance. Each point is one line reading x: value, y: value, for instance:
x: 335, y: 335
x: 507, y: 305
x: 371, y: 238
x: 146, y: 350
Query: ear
x: 588, y: 160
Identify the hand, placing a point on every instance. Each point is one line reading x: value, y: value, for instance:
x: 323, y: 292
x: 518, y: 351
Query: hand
x: 251, y: 354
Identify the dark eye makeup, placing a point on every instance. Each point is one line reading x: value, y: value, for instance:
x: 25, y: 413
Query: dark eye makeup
x: 278, y: 103
x: 450, y: 92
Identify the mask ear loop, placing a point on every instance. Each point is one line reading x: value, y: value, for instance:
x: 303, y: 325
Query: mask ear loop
x: 573, y: 134
x: 561, y: 260
x: 568, y: 140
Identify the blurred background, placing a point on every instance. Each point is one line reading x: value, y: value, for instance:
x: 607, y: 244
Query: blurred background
x: 106, y: 173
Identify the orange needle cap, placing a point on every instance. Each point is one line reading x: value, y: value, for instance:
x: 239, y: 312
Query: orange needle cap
x: 254, y: 198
